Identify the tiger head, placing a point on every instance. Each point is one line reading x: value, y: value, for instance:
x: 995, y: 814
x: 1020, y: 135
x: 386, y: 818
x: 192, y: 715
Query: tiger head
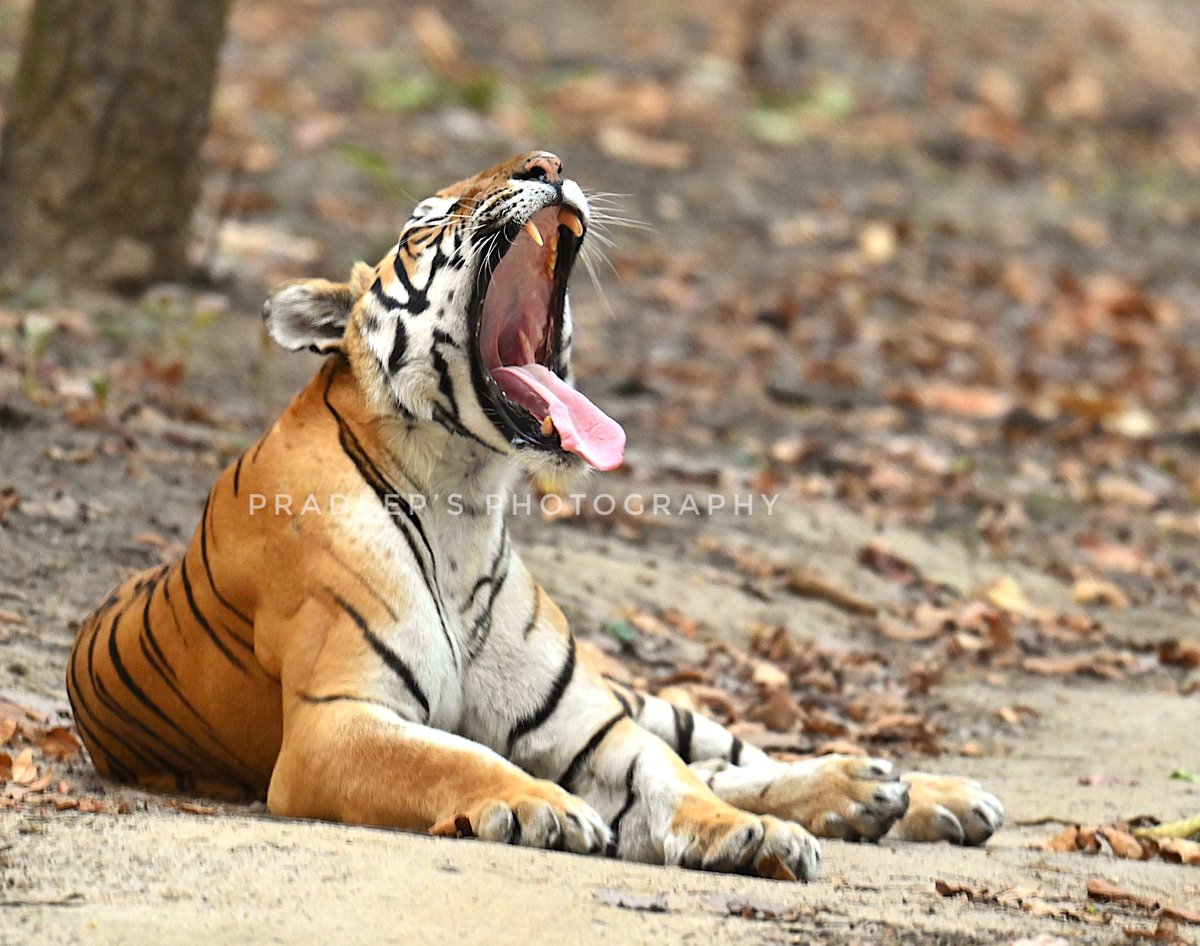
x: 465, y: 322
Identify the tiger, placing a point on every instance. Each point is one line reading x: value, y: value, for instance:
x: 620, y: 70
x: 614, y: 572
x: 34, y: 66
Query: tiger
x: 396, y: 664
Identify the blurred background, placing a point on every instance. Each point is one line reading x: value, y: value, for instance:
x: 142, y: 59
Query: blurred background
x: 876, y: 246
x: 927, y: 270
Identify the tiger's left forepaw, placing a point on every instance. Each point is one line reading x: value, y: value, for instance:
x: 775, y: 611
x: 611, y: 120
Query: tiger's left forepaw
x: 948, y: 808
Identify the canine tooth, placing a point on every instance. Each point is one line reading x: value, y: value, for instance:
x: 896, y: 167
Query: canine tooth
x: 533, y: 232
x: 547, y: 426
x: 569, y: 219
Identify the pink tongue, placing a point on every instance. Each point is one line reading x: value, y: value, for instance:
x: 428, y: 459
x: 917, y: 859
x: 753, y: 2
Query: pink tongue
x: 582, y: 427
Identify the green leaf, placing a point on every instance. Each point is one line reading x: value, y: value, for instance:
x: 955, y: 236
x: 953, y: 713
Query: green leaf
x: 410, y: 94
x: 374, y: 165
x: 622, y: 630
x: 1185, y: 776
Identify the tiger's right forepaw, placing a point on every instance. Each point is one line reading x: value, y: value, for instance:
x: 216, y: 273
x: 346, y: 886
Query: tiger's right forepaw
x: 540, y: 816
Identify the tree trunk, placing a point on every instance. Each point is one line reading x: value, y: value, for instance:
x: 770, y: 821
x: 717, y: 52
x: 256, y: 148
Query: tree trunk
x: 99, y: 157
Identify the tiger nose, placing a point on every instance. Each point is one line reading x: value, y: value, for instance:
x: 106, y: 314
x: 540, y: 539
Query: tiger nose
x: 544, y: 167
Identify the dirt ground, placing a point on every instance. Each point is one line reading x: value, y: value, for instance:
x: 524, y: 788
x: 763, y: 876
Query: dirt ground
x: 926, y: 271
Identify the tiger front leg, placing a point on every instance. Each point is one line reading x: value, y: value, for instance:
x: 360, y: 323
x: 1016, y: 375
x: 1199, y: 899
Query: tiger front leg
x: 833, y: 796
x: 657, y: 809
x: 354, y: 761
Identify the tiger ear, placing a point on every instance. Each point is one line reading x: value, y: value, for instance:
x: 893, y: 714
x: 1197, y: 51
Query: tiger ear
x: 310, y: 313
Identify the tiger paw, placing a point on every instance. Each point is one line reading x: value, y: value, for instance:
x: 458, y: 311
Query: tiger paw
x: 709, y: 835
x: 833, y: 796
x: 540, y: 815
x: 948, y: 808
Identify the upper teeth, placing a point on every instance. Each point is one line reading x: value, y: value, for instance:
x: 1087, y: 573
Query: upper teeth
x: 569, y: 219
x: 534, y: 233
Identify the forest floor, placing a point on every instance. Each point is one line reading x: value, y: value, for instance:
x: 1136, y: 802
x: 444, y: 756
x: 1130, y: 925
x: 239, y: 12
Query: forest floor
x: 924, y: 271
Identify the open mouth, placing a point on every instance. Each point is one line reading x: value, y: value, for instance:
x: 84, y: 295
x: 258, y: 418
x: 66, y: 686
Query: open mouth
x: 517, y: 317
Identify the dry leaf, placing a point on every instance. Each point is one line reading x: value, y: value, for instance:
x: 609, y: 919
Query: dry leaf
x: 1095, y: 591
x: 895, y: 631
x: 773, y: 868
x: 1174, y: 653
x: 458, y: 826
x: 778, y: 712
x: 976, y: 403
x: 1123, y: 843
x: 60, y: 744
x: 1179, y: 851
x: 809, y: 584
x: 24, y: 770
x: 1004, y: 593
x: 1102, y: 891
x: 877, y: 243
x: 1066, y: 840
x: 882, y: 560
x: 768, y: 676
x: 8, y: 728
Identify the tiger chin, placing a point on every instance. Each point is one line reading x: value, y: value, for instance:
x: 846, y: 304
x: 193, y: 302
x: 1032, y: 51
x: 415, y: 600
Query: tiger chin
x: 396, y: 664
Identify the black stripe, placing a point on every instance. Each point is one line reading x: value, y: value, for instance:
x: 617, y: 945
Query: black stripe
x: 393, y: 660
x: 382, y: 297
x: 394, y: 506
x: 735, y: 751
x: 581, y: 757
x: 162, y: 671
x: 630, y: 798
x: 490, y: 577
x: 345, y: 698
x: 203, y: 621
x: 114, y: 656
x: 481, y: 630
x: 237, y: 474
x: 241, y: 615
x: 640, y: 701
x: 537, y: 611
x: 80, y: 707
x: 529, y: 723
x: 685, y: 725
x: 399, y: 345
x: 622, y: 699
x: 160, y: 663
x: 455, y: 426
x: 370, y: 589
x: 445, y: 382
x: 146, y: 752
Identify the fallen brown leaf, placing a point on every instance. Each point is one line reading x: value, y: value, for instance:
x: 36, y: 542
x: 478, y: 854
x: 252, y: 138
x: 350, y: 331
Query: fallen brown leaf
x: 458, y: 826
x: 60, y: 744
x: 1007, y: 595
x: 778, y: 712
x: 809, y: 584
x: 1173, y: 653
x: 768, y: 676
x: 883, y: 561
x: 773, y: 868
x: 1123, y: 843
x: 1179, y: 851
x: 24, y: 771
x: 1095, y: 591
